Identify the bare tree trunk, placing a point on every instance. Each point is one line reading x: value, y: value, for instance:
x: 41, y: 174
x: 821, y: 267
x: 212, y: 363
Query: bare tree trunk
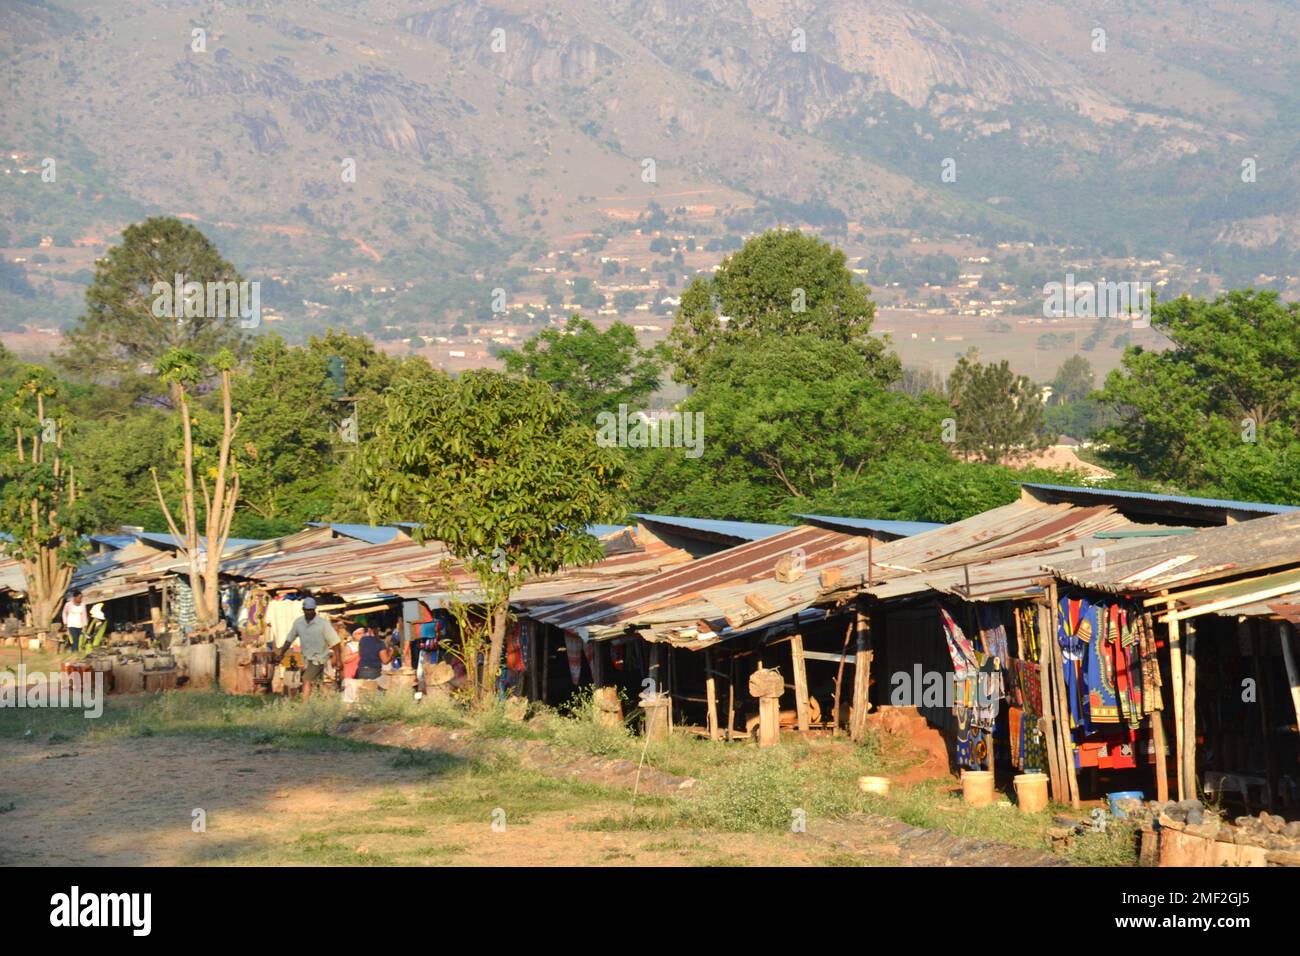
x: 492, y: 663
x: 46, y: 574
x: 219, y: 508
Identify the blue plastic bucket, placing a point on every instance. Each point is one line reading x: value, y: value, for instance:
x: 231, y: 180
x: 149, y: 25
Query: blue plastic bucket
x: 1119, y: 795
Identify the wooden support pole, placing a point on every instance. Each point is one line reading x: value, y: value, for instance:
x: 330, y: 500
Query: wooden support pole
x: 656, y: 674
x: 839, y: 678
x: 1264, y: 704
x: 800, y: 683
x: 656, y: 717
x: 534, y: 657
x: 1062, y: 697
x: 544, y: 639
x: 861, y: 677
x: 1162, y: 762
x: 1189, y: 711
x: 769, y: 721
x: 1056, y: 776
x: 711, y: 692
x: 1176, y: 678
x: 1292, y: 673
x: 767, y: 686
x: 672, y: 683
x: 731, y: 699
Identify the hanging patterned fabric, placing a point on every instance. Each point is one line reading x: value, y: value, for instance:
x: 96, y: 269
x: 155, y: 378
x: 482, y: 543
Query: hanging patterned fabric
x: 1077, y: 625
x: 972, y: 742
x: 1016, y: 736
x: 182, y: 606
x: 1100, y: 676
x: 1152, y: 698
x: 993, y: 633
x: 514, y: 647
x: 1027, y: 615
x: 1031, y: 691
x: 1127, y: 665
x: 988, y: 693
x: 573, y: 650
x: 964, y: 664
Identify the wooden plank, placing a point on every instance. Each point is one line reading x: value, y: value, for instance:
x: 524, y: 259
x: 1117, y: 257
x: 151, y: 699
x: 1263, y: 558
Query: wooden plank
x: 800, y: 682
x: 731, y: 700
x: 1055, y: 778
x: 1176, y: 677
x: 1292, y: 672
x: 1264, y: 705
x: 861, y: 677
x: 711, y: 692
x: 1162, y: 760
x: 1189, y: 711
x: 1240, y: 601
x: 827, y: 656
x: 839, y: 678
x: 1062, y: 701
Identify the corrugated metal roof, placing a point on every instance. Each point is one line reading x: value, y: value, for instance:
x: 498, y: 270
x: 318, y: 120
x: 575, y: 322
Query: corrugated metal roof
x: 711, y: 588
x: 113, y: 540
x: 897, y: 529
x: 11, y: 575
x: 1000, y: 552
x: 1208, y: 555
x: 168, y: 540
x: 1118, y: 497
x: 737, y: 530
x: 374, y: 534
x: 316, y: 560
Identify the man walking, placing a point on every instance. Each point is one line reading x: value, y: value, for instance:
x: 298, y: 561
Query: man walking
x: 318, y: 640
x: 74, y: 619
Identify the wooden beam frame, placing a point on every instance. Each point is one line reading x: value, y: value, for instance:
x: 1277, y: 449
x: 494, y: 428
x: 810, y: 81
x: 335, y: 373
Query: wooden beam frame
x: 802, y: 711
x: 1176, y: 678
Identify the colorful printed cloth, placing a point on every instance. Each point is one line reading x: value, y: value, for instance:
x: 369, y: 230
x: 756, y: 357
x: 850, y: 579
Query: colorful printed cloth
x: 964, y: 664
x: 1100, y: 673
x: 1078, y: 624
x: 993, y: 633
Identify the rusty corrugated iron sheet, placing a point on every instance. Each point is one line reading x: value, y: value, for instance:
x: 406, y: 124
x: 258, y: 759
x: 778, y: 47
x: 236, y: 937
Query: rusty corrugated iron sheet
x: 998, y: 554
x: 715, y: 589
x: 1208, y: 555
x: 320, y: 561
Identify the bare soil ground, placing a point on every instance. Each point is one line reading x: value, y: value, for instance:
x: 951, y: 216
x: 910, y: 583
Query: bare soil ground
x: 131, y: 802
x: 190, y: 778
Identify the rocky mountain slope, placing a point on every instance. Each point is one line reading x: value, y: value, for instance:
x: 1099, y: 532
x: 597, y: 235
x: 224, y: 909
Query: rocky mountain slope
x: 485, y: 133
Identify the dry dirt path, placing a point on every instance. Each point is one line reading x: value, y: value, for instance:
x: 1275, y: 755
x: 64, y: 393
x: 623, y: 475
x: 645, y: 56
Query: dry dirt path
x: 131, y: 801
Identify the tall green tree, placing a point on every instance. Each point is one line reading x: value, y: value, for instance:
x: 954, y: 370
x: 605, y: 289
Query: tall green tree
x: 121, y: 335
x: 595, y: 370
x: 39, y: 510
x: 499, y: 470
x: 785, y: 417
x: 183, y: 370
x: 115, y: 455
x: 1219, y: 409
x: 1073, y: 381
x: 290, y: 445
x: 368, y: 373
x: 997, y: 412
x: 779, y: 283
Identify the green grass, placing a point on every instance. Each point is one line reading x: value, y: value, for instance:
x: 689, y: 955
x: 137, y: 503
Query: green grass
x: 740, y: 788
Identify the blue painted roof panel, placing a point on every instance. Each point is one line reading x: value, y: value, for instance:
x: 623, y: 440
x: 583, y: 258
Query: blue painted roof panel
x: 1100, y: 494
x: 372, y: 534
x: 744, y: 530
x: 904, y: 529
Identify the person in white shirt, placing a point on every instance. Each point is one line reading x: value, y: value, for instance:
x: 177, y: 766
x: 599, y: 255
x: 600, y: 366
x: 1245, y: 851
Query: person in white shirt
x: 75, y: 617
